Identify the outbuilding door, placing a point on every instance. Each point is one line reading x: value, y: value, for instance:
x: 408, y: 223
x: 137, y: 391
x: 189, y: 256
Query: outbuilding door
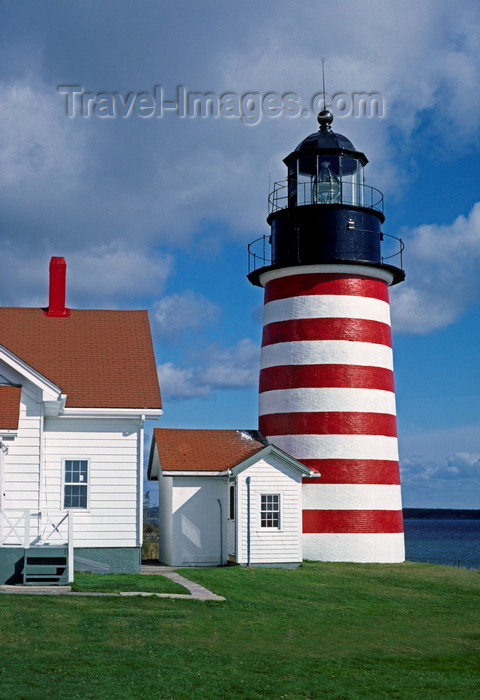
x: 231, y: 523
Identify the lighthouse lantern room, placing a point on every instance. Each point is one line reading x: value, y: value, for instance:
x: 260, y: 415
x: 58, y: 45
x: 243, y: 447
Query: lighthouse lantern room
x: 326, y: 390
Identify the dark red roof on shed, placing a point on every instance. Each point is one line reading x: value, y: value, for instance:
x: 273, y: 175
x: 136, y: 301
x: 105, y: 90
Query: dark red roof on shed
x: 205, y: 450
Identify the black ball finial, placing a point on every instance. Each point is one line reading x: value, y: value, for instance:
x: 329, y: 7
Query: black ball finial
x: 325, y: 118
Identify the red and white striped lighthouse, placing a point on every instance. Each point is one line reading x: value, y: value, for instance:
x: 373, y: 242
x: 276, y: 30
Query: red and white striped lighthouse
x: 326, y: 382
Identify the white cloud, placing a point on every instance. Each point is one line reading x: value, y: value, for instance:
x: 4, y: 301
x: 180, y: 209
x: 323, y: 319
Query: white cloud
x: 463, y: 464
x: 108, y: 276
x: 177, y: 383
x: 38, y: 150
x: 432, y: 460
x: 178, y: 312
x: 147, y: 183
x: 222, y: 369
x: 418, y: 470
x: 235, y: 367
x: 111, y: 272
x: 157, y: 180
x: 442, y: 263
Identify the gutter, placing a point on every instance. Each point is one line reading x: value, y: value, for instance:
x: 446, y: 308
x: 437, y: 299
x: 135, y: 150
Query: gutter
x: 153, y: 413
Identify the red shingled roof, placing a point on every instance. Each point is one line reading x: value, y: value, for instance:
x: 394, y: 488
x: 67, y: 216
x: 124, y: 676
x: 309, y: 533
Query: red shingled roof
x: 9, y: 407
x: 100, y: 359
x: 205, y: 450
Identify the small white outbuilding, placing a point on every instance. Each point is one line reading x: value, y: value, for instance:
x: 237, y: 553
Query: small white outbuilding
x: 226, y: 496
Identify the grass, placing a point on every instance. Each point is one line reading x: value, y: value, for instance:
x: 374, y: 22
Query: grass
x: 114, y: 583
x: 334, y: 631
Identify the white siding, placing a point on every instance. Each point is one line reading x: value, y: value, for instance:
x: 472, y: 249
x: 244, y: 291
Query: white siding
x: 268, y: 545
x: 165, y: 519
x: 112, y: 448
x: 20, y: 478
x: 198, y: 535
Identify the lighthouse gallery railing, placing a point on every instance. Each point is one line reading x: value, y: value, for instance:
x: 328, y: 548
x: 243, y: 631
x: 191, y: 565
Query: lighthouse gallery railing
x: 259, y: 251
x: 344, y: 192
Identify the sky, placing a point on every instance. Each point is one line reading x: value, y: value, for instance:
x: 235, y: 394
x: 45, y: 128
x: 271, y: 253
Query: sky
x: 105, y: 162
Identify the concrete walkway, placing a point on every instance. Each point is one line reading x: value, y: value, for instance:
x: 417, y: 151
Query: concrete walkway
x: 196, y: 591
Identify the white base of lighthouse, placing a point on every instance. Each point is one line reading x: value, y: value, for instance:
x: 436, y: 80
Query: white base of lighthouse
x: 327, y: 398
x: 360, y: 548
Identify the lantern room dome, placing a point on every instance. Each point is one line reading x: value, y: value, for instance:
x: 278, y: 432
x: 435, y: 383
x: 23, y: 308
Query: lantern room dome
x: 325, y: 140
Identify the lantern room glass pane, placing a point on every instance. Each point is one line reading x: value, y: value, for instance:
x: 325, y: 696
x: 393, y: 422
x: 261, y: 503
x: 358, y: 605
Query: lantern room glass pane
x: 292, y: 186
x: 352, y: 181
x: 318, y: 180
x: 326, y: 187
x: 306, y: 172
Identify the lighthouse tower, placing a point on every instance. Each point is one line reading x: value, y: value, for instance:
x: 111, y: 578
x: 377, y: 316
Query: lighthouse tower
x: 326, y: 391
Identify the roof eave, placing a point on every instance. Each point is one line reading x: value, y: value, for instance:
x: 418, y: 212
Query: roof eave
x: 105, y: 412
x: 191, y: 472
x: 272, y: 449
x: 50, y: 390
x: 8, y: 432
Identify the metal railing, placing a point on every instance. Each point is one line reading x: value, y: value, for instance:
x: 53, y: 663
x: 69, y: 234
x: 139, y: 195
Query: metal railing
x: 344, y: 192
x: 27, y: 528
x: 259, y: 252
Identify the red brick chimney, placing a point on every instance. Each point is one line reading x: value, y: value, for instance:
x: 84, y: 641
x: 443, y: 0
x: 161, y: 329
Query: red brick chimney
x: 56, y: 291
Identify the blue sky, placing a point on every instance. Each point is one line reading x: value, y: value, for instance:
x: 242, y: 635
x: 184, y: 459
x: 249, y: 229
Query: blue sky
x: 157, y: 212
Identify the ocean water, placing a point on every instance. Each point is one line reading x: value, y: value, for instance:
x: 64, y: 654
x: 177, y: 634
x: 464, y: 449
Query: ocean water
x: 453, y: 542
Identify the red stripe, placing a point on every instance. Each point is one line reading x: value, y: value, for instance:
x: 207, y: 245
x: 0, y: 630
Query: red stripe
x: 314, y: 283
x: 319, y: 376
x: 352, y: 521
x: 328, y: 423
x: 356, y: 329
x: 354, y: 471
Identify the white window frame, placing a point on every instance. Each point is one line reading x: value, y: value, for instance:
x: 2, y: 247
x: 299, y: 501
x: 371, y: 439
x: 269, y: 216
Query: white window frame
x: 261, y: 511
x: 66, y: 483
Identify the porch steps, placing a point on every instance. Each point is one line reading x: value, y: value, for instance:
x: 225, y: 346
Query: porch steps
x: 45, y: 565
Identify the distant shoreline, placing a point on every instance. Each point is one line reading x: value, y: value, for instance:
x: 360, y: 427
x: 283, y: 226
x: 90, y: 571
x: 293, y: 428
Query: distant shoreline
x: 441, y: 513
x: 408, y: 513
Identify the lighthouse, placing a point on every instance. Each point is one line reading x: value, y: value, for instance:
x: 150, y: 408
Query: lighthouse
x: 326, y: 389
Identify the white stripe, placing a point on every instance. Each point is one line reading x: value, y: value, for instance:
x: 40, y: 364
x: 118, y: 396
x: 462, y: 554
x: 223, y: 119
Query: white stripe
x: 337, y: 446
x: 306, y: 400
x: 324, y: 352
x: 326, y: 306
x: 386, y: 548
x: 353, y: 270
x: 351, y: 497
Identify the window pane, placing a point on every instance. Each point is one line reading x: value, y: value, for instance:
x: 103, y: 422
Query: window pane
x: 270, y: 510
x: 76, y: 478
x: 75, y: 496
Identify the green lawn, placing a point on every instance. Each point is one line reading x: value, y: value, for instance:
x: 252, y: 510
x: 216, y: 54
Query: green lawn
x: 114, y: 583
x: 329, y: 631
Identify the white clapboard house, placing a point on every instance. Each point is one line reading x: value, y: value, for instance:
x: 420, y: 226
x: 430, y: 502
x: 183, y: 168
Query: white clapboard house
x: 226, y: 496
x: 75, y: 389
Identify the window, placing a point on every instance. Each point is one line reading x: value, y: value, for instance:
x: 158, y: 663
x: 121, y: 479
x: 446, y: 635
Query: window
x: 76, y: 483
x: 270, y: 510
